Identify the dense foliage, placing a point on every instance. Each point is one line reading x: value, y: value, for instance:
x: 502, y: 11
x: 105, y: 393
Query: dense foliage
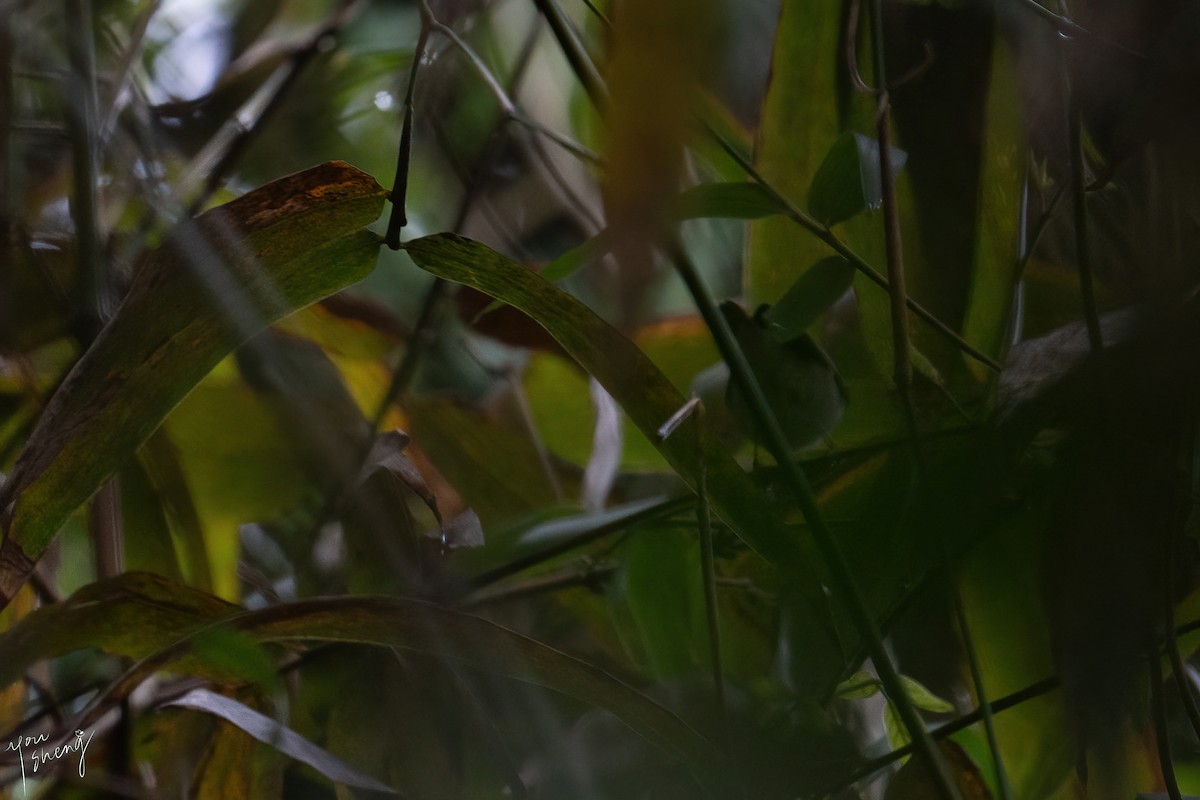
x: 718, y: 398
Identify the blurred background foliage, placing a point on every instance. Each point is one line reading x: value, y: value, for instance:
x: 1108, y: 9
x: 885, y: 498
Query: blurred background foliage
x: 427, y: 535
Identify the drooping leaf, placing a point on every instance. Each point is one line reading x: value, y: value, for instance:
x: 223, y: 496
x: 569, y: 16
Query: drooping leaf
x: 645, y: 394
x: 144, y: 616
x: 850, y: 179
x: 216, y: 281
x: 282, y: 738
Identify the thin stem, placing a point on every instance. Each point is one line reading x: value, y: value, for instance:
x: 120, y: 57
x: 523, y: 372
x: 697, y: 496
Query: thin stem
x: 842, y: 580
x: 894, y: 249
x: 565, y: 142
x: 508, y: 108
x: 399, y: 195
x: 572, y: 48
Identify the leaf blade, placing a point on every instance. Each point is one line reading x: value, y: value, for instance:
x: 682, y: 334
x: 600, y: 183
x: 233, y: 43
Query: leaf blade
x: 216, y: 281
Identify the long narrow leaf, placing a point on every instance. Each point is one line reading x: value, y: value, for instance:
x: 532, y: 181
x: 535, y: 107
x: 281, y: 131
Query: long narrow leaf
x: 148, y: 617
x: 216, y: 281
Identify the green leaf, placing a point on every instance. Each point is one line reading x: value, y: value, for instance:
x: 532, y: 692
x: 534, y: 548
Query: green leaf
x: 215, y: 282
x: 858, y: 686
x: 818, y: 288
x: 850, y: 179
x: 924, y: 699
x: 740, y: 200
x: 641, y: 389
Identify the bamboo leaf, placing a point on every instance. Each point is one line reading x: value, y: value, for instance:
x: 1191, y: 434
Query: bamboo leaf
x: 215, y: 282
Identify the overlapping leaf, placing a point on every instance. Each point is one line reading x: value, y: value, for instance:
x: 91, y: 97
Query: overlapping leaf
x: 216, y: 281
x: 142, y: 615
